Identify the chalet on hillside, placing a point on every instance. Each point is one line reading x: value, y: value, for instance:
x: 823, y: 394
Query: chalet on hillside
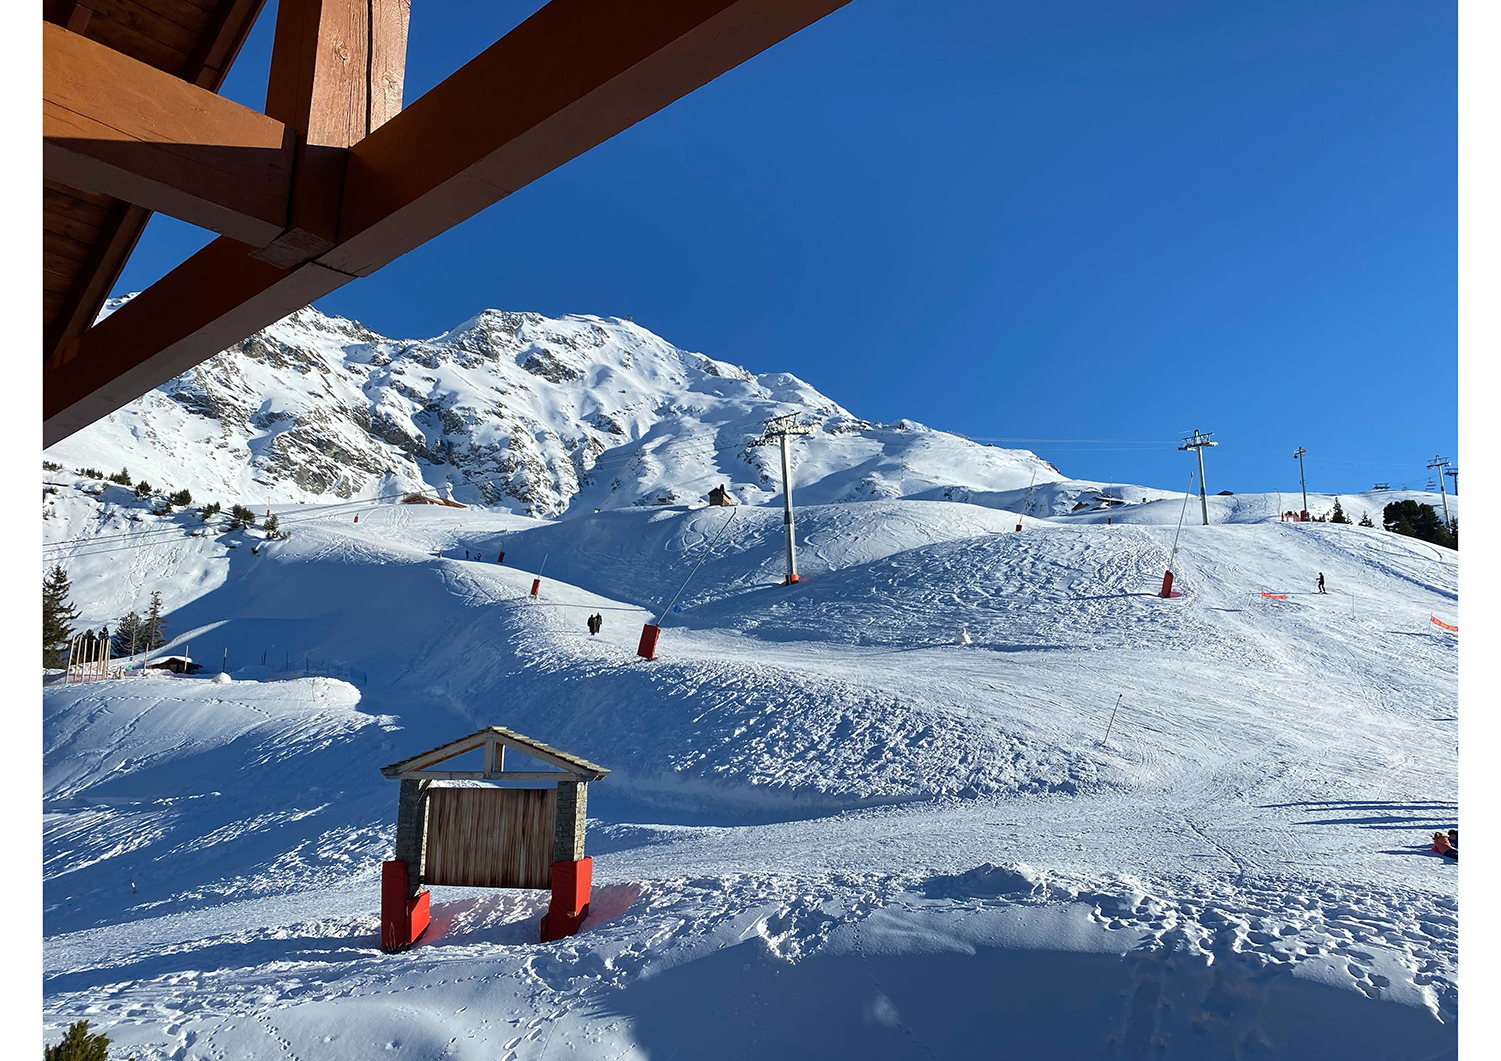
x: 175, y: 664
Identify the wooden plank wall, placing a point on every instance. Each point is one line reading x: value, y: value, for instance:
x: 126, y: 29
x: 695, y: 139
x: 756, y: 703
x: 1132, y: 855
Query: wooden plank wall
x: 490, y: 837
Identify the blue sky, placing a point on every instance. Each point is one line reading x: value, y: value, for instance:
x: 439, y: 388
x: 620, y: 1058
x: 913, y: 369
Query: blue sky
x: 1072, y: 220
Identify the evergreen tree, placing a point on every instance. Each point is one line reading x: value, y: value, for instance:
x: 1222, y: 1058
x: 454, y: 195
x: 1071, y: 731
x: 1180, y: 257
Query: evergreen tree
x: 57, y: 615
x: 1365, y: 521
x: 242, y: 516
x: 129, y: 637
x: 122, y: 477
x: 1339, y: 514
x: 272, y: 525
x: 143, y: 489
x: 154, y: 627
x: 78, y: 1045
x: 1417, y: 521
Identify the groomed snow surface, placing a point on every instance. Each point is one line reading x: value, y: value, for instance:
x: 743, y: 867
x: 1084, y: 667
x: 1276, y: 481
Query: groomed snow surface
x: 833, y: 829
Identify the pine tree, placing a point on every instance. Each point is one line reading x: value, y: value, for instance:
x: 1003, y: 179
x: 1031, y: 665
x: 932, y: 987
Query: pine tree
x: 129, y: 637
x: 57, y: 615
x: 272, y: 525
x: 1339, y: 514
x: 78, y: 1045
x: 154, y: 627
x: 1365, y: 521
x: 1417, y: 521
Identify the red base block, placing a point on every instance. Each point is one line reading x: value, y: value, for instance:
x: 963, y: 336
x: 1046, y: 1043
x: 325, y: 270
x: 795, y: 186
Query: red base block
x: 791, y: 579
x: 647, y: 649
x: 1018, y: 526
x: 536, y: 585
x: 402, y: 919
x: 570, y: 899
x: 1167, y: 584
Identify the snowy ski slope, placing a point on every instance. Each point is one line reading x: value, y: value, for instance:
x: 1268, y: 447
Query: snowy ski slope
x: 831, y: 829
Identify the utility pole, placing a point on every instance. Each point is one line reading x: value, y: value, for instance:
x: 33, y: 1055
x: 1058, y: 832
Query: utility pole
x: 776, y: 432
x: 1196, y: 442
x: 1442, y: 463
x: 1298, y: 453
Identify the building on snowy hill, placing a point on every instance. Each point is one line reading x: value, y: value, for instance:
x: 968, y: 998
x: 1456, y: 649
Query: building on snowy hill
x: 428, y: 499
x: 721, y: 497
x: 175, y: 664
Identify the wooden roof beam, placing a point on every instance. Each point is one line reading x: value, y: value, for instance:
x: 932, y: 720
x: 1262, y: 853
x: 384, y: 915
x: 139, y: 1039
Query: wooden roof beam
x: 207, y: 304
x: 568, y: 78
x: 118, y: 127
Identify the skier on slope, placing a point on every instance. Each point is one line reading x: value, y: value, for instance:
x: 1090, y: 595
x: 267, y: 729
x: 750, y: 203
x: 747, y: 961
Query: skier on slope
x: 1321, y: 582
x: 1441, y: 845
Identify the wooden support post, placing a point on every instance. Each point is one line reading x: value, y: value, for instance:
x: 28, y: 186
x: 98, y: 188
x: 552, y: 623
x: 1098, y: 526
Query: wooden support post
x: 568, y: 832
x: 411, y: 830
x: 337, y: 68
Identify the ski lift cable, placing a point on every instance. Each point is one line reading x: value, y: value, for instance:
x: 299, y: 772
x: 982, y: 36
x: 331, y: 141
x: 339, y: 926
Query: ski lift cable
x: 734, y: 510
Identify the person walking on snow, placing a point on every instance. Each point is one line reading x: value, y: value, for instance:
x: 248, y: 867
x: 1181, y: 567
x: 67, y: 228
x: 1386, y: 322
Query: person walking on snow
x: 1321, y: 582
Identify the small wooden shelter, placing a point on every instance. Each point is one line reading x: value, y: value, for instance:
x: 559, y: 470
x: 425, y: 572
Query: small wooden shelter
x: 488, y: 837
x: 175, y: 664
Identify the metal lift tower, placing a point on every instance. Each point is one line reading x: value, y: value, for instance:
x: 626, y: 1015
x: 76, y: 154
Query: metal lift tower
x: 1298, y: 453
x: 1196, y: 442
x: 776, y: 432
x: 1442, y: 463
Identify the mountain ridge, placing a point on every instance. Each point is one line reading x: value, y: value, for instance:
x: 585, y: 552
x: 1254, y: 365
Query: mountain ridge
x: 525, y: 413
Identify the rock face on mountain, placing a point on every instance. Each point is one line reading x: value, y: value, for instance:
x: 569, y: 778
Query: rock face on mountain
x: 517, y: 411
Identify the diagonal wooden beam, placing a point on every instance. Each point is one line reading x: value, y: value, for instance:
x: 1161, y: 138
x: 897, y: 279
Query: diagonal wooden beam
x: 207, y: 304
x: 220, y: 43
x: 568, y: 78
x: 118, y: 127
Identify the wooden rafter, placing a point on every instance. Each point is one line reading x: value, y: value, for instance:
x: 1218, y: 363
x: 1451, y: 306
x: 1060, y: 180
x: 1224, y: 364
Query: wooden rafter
x: 117, y: 127
x: 121, y: 225
x: 571, y: 76
x: 492, y: 740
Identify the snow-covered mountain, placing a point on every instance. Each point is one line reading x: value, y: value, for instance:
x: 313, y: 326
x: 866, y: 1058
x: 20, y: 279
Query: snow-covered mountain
x: 529, y: 414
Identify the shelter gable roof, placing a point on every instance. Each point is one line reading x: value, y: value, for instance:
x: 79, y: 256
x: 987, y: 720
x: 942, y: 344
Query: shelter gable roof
x: 567, y: 764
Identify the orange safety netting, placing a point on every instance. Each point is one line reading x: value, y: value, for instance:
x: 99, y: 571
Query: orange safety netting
x: 1439, y: 622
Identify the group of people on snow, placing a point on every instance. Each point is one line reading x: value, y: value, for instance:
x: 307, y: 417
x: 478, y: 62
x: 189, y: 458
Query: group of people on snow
x: 596, y: 621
